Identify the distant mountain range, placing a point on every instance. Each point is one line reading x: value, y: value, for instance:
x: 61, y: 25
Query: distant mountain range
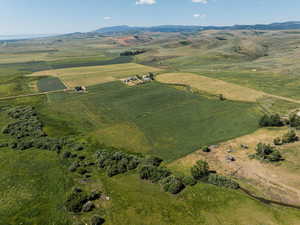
x: 292, y: 25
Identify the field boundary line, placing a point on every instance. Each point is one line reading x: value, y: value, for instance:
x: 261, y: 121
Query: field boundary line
x: 33, y: 94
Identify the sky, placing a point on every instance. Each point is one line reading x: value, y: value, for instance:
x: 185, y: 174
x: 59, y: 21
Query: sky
x: 20, y: 17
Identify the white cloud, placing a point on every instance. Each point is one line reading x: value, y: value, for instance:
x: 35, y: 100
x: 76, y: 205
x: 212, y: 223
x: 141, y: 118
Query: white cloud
x: 200, y: 1
x: 201, y: 16
x: 145, y: 2
x: 107, y: 18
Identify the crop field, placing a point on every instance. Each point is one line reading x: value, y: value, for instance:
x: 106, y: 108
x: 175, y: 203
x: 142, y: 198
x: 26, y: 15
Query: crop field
x: 272, y: 83
x: 87, y: 76
x: 50, y: 84
x: 152, y: 118
x: 213, y: 86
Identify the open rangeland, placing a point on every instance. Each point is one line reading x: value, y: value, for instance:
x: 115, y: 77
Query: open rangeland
x: 87, y: 76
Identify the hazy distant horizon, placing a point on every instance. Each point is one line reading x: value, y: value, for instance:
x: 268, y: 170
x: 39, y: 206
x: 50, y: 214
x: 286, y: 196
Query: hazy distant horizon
x: 24, y: 36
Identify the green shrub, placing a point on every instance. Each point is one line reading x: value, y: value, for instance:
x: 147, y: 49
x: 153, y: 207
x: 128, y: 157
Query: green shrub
x: 200, y: 170
x: 189, y: 181
x: 277, y: 141
x: 82, y: 171
x: 75, y: 201
x: 222, y: 181
x: 267, y: 153
x: 67, y: 155
x: 153, y: 173
x: 116, y: 162
x: 294, y: 120
x: 97, y: 220
x: 206, y: 149
x: 289, y: 137
x: 271, y: 121
x: 172, y: 184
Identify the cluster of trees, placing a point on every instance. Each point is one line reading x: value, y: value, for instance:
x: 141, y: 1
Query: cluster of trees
x: 172, y: 184
x: 43, y: 143
x: 27, y: 123
x: 27, y: 132
x: 289, y: 137
x: 151, y: 170
x: 267, y: 153
x: 200, y: 171
x: 271, y: 121
x: 80, y: 201
x: 222, y: 181
x: 153, y: 173
x: 116, y: 162
x: 294, y: 120
x: 133, y: 52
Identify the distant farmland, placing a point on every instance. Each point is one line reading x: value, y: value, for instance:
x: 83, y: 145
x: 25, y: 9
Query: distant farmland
x: 91, y: 75
x: 50, y: 84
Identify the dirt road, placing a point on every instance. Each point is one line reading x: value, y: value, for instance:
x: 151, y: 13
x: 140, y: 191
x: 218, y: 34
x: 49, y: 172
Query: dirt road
x: 33, y: 94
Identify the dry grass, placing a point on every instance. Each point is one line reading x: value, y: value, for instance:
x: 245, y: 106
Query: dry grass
x: 91, y: 75
x: 213, y: 86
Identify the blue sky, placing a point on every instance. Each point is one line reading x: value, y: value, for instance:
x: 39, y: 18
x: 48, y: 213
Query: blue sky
x: 64, y: 16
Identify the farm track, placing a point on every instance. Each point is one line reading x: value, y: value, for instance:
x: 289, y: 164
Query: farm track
x: 30, y: 95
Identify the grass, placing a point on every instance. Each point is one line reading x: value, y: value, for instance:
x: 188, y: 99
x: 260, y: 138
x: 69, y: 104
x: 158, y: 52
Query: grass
x: 139, y: 202
x: 50, y: 84
x: 154, y: 118
x: 33, y: 186
x: 87, y: 76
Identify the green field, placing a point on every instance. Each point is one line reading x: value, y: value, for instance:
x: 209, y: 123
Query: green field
x: 50, y: 84
x: 153, y: 118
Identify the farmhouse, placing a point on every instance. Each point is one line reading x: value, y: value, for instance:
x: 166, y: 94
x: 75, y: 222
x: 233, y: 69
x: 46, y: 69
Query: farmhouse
x: 131, y: 81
